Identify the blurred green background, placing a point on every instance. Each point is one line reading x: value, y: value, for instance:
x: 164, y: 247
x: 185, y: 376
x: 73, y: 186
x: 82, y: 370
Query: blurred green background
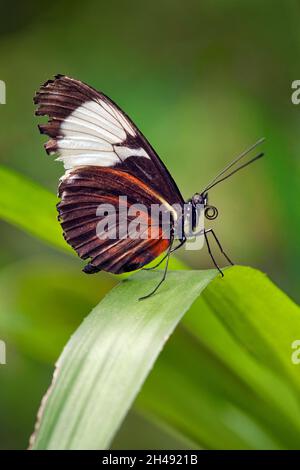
x: 203, y: 82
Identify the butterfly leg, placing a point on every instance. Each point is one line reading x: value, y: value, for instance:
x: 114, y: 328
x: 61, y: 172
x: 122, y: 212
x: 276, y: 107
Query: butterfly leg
x: 157, y: 264
x: 210, y: 253
x: 180, y: 244
x: 220, y: 246
x: 166, y: 255
x: 165, y: 271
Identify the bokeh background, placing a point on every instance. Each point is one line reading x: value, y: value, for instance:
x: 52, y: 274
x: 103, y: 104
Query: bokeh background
x: 203, y: 81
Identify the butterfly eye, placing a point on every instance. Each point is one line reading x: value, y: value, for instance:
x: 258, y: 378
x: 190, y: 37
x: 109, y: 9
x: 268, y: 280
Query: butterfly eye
x: 211, y: 212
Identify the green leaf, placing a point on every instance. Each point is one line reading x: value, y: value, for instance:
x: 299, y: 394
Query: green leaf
x: 224, y: 380
x: 107, y: 360
x: 236, y: 385
x: 30, y: 207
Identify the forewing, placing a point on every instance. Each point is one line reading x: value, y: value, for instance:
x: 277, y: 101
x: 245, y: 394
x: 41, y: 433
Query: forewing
x: 87, y: 128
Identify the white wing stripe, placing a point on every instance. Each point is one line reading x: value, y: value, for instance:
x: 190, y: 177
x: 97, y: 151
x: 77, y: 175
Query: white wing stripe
x: 107, y: 109
x: 71, y: 130
x: 80, y: 152
x: 95, y: 107
x: 125, y: 123
x: 104, y: 155
x: 126, y: 152
x: 98, y: 120
x: 74, y: 161
x: 74, y: 123
x: 117, y: 133
x: 93, y: 135
x: 67, y: 144
x: 78, y: 137
x: 120, y: 118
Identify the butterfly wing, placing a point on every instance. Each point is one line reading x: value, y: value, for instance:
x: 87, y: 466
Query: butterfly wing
x: 105, y: 156
x: 87, y: 128
x: 90, y: 187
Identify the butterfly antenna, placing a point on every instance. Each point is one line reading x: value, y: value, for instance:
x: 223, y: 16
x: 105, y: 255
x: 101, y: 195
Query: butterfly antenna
x: 216, y: 179
x: 260, y: 155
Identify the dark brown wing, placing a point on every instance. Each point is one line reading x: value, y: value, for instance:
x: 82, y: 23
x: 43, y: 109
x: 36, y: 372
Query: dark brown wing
x: 87, y: 128
x: 82, y: 192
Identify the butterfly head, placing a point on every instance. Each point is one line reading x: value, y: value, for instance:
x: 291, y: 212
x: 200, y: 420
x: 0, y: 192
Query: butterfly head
x: 201, y: 199
x: 195, y: 207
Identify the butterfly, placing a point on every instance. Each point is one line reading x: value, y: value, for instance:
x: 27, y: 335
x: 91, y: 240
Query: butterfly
x: 106, y: 157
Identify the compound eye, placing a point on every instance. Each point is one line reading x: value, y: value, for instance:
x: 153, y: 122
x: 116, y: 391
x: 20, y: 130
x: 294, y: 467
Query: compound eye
x: 211, y: 212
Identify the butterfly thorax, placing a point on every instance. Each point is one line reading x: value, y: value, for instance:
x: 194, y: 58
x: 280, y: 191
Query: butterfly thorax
x: 195, y: 211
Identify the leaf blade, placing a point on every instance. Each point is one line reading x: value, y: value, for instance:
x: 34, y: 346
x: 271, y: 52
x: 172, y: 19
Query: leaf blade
x: 30, y: 207
x: 105, y: 344
x: 232, y: 401
x: 247, y: 396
